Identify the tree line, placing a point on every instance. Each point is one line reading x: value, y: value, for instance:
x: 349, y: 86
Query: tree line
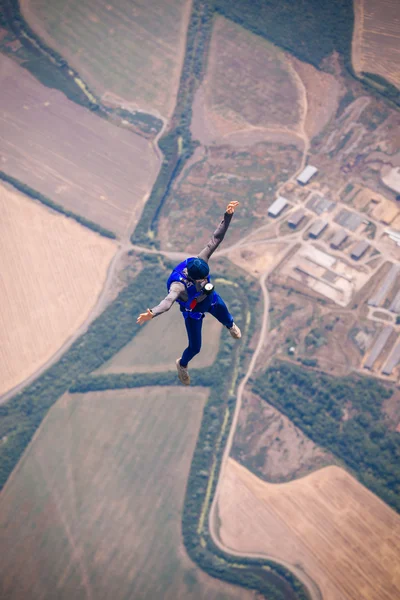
x: 26, y: 189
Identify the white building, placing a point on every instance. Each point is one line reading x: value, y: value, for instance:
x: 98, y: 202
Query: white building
x: 277, y: 207
x: 306, y: 174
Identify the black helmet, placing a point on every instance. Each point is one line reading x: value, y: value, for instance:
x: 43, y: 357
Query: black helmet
x: 197, y: 268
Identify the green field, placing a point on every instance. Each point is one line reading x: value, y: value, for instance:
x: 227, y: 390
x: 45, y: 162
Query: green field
x: 160, y: 342
x: 130, y: 49
x: 94, y: 507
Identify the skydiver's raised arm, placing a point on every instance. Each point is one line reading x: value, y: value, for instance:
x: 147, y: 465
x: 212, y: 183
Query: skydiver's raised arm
x: 219, y: 233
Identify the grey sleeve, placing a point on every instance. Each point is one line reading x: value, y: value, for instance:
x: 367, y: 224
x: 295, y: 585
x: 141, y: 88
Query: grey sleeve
x: 174, y: 291
x: 216, y: 237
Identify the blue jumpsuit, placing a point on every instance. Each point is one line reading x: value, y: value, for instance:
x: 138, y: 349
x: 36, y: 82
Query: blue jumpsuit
x: 194, y: 312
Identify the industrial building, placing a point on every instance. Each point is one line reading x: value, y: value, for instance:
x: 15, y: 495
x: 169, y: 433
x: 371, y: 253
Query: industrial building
x: 277, y: 207
x: 306, y: 174
x: 359, y: 250
x: 296, y: 218
x: 378, y: 346
x: 317, y: 228
x: 392, y: 361
x: 385, y: 287
x: 319, y: 204
x: 338, y: 239
x: 348, y: 219
x: 395, y: 306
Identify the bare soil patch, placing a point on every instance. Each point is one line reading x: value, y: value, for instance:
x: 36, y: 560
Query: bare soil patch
x: 129, y: 52
x: 67, y: 153
x: 258, y: 258
x: 94, y: 508
x: 322, y: 92
x: 270, y: 446
x: 53, y: 271
x: 316, y: 524
x: 376, y: 39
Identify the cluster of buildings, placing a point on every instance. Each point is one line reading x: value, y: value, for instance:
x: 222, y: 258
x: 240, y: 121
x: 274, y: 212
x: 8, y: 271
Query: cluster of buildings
x: 317, y: 204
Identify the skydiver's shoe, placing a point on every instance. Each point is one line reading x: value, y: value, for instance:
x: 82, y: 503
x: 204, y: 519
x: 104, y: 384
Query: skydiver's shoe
x: 182, y: 373
x: 235, y: 332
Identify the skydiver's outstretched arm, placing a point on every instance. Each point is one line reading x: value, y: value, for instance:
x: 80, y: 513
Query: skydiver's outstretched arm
x: 219, y: 233
x: 175, y: 289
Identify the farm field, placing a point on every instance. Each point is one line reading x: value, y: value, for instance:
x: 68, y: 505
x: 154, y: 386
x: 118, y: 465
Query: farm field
x: 249, y: 85
x: 94, y: 507
x: 376, y: 38
x: 130, y: 53
x: 52, y: 271
x: 318, y: 525
x: 160, y: 342
x: 70, y: 155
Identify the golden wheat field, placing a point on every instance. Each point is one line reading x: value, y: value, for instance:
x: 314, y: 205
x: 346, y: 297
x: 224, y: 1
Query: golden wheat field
x: 326, y: 525
x: 129, y: 51
x: 52, y: 272
x: 94, y: 508
x: 376, y: 38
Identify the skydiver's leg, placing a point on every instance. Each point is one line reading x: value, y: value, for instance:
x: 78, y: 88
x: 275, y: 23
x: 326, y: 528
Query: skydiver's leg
x: 220, y: 311
x: 193, y: 328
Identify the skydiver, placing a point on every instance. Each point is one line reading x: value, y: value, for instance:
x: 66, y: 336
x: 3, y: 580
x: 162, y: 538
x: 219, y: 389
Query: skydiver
x: 189, y: 285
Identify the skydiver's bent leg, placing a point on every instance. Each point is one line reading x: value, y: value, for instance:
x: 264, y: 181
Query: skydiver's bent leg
x: 193, y: 328
x: 220, y: 311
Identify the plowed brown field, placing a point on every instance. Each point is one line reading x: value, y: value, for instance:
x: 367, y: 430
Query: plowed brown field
x: 376, y: 38
x: 94, y: 508
x: 327, y: 525
x: 130, y: 52
x: 249, y: 84
x: 67, y: 153
x: 52, y: 271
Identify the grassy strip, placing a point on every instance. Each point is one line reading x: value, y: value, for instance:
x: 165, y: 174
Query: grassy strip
x: 25, y: 189
x: 317, y: 403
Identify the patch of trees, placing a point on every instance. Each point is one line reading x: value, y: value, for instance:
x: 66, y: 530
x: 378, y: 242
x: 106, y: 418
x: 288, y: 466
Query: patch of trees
x: 25, y: 189
x: 344, y: 415
x: 177, y: 144
x: 310, y: 29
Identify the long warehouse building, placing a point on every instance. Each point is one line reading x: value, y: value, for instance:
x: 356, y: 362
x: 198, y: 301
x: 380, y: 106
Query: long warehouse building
x: 395, y: 306
x: 392, y: 361
x: 359, y: 250
x: 277, y: 207
x: 378, y: 346
x: 385, y: 287
x: 338, y: 239
x: 317, y: 228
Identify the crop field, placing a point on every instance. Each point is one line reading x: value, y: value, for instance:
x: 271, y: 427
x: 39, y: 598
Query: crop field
x: 249, y: 83
x: 161, y: 341
x: 52, y: 272
x: 223, y: 175
x: 93, y: 509
x: 326, y: 525
x: 376, y: 38
x: 70, y: 155
x: 129, y: 52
